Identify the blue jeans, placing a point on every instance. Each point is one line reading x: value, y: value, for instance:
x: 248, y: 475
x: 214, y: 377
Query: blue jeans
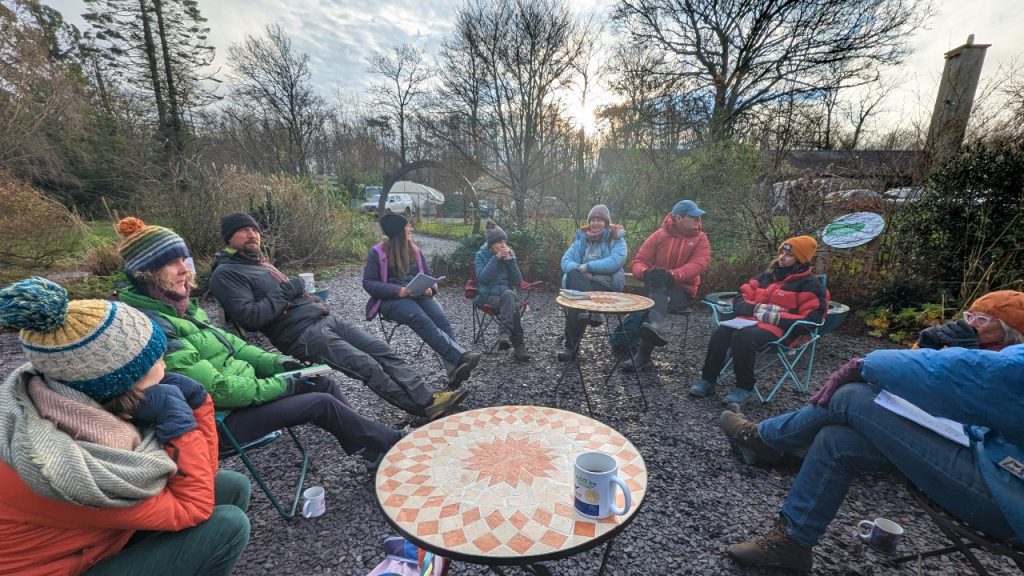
x: 427, y: 319
x: 852, y: 435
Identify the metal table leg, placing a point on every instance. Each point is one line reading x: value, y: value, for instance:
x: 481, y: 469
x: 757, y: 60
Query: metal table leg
x: 632, y: 357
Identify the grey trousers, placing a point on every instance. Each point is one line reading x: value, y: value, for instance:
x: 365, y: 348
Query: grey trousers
x: 510, y: 318
x: 355, y: 353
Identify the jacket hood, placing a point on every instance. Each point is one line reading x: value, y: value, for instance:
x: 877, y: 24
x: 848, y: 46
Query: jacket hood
x: 669, y: 227
x: 613, y: 232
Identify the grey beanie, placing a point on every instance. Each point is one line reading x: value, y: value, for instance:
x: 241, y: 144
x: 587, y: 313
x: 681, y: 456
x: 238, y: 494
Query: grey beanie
x: 494, y: 233
x: 600, y: 211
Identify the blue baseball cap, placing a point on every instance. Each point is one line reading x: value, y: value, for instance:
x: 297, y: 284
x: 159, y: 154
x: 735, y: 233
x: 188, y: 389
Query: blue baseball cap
x: 687, y: 208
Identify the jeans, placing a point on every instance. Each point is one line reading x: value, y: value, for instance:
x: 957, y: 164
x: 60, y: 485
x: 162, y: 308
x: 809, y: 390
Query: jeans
x: 852, y: 435
x: 510, y: 316
x: 351, y: 350
x: 326, y: 408
x: 427, y: 319
x: 209, y: 549
x: 744, y: 344
x: 578, y: 280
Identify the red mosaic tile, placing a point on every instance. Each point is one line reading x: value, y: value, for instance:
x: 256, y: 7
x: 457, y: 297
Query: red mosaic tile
x: 454, y: 538
x: 449, y: 510
x: 518, y: 520
x: 395, y: 500
x: 422, y: 457
x: 408, y: 514
x: 417, y: 468
x: 542, y: 516
x: 626, y: 456
x: 553, y: 539
x: 389, y: 485
x: 419, y: 479
x: 521, y: 543
x: 472, y: 515
x: 425, y: 490
x: 631, y: 470
x: 563, y: 510
x: 433, y: 502
x: 486, y: 543
x: 494, y: 519
x: 587, y: 529
x: 428, y: 528
x: 634, y: 486
x: 617, y: 440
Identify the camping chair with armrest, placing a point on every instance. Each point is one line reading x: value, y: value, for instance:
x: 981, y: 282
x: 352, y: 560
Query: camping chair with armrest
x: 798, y: 342
x: 235, y: 448
x: 962, y: 536
x: 485, y: 315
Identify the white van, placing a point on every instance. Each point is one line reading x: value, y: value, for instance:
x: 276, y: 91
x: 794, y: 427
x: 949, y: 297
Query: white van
x: 397, y: 202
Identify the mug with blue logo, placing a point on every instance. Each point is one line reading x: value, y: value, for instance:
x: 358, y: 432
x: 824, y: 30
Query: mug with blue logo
x: 595, y: 478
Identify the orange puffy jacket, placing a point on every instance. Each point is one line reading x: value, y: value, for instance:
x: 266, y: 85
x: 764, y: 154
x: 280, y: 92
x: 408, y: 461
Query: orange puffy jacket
x: 45, y: 537
x: 685, y: 254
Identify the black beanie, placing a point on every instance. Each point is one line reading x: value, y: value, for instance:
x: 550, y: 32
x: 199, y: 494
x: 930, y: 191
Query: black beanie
x: 233, y: 222
x: 494, y: 233
x: 393, y: 225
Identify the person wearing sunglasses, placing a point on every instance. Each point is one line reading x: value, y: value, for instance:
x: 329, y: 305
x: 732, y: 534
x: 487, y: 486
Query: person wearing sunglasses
x: 992, y: 322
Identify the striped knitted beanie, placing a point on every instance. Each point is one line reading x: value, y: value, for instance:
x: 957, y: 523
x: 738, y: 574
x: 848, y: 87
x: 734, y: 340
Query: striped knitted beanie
x: 98, y: 347
x: 147, y: 248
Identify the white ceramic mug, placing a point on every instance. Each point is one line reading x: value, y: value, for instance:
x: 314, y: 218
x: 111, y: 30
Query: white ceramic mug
x: 313, y: 503
x: 881, y: 534
x: 595, y: 479
x: 309, y: 281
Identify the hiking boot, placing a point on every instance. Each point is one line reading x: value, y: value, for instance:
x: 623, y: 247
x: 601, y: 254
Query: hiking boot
x: 520, y: 352
x: 641, y: 359
x: 775, y: 549
x: 372, y: 460
x: 650, y: 330
x: 445, y: 403
x: 565, y: 355
x: 738, y: 396
x: 461, y: 372
x: 504, y: 341
x: 702, y: 388
x: 743, y: 434
x: 595, y: 319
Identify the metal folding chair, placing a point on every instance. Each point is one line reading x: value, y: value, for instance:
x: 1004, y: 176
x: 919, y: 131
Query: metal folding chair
x: 798, y: 342
x: 234, y: 448
x: 485, y: 315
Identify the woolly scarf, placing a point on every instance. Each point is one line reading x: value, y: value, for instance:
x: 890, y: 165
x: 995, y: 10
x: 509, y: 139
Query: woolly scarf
x: 179, y: 302
x: 57, y: 466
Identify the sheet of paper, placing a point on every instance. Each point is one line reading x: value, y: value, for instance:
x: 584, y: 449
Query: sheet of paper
x: 942, y: 426
x: 421, y: 282
x: 573, y: 294
x: 308, y: 371
x: 738, y: 323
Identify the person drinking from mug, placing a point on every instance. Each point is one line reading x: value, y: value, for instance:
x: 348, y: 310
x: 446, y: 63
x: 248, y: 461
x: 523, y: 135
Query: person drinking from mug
x: 498, y: 275
x: 108, y: 465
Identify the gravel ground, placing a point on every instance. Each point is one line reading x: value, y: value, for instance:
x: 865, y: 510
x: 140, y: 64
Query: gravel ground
x: 701, y: 498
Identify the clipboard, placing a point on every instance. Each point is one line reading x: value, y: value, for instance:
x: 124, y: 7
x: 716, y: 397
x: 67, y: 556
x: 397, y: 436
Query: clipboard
x: 421, y: 282
x: 307, y: 371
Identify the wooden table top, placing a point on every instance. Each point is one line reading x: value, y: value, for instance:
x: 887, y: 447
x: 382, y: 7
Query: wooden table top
x: 609, y: 302
x: 495, y: 485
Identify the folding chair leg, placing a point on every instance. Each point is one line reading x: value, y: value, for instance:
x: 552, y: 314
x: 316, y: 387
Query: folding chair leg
x: 286, y: 514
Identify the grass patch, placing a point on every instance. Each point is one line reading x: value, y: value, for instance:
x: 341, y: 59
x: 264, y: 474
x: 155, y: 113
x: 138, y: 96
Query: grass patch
x: 441, y: 229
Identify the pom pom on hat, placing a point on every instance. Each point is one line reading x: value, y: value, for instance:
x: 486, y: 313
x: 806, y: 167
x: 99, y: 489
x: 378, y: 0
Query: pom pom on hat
x: 98, y: 347
x: 494, y: 233
x: 802, y: 247
x: 147, y: 248
x: 1007, y: 305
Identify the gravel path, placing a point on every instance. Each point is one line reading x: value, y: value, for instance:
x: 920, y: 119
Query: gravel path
x: 701, y: 498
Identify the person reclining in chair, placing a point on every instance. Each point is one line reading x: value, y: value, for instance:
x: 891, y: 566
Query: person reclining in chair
x: 776, y: 298
x: 244, y: 380
x: 497, y: 276
x: 390, y: 266
x: 259, y: 297
x: 670, y: 262
x: 843, y: 432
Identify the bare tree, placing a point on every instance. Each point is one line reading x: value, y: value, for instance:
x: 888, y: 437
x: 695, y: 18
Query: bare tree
x: 739, y: 55
x: 274, y: 103
x: 529, y: 53
x: 402, y: 90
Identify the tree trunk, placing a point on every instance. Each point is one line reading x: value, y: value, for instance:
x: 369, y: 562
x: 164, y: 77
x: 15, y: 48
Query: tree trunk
x: 154, y: 73
x: 175, y: 124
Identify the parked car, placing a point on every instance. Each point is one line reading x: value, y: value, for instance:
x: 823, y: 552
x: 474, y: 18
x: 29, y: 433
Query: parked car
x: 901, y: 195
x: 486, y: 208
x: 397, y: 202
x: 859, y: 199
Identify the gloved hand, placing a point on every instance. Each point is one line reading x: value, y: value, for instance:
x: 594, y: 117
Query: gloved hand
x: 658, y: 278
x: 165, y: 407
x: 293, y: 287
x: 767, y: 313
x: 849, y: 372
x: 958, y: 334
x: 194, y: 392
x: 741, y: 307
x: 298, y: 384
x: 320, y: 383
x: 287, y: 363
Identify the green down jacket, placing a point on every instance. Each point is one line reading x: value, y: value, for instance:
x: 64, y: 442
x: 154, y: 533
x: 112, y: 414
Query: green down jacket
x: 236, y: 374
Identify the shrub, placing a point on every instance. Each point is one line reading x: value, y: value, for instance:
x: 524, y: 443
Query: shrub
x: 37, y: 231
x: 539, y: 251
x: 904, y: 326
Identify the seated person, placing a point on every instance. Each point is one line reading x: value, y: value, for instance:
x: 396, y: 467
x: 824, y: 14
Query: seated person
x: 844, y: 432
x: 593, y: 262
x: 242, y: 379
x: 670, y: 262
x: 390, y: 266
x: 259, y: 297
x: 992, y: 322
x: 497, y: 277
x: 788, y: 291
x: 108, y: 465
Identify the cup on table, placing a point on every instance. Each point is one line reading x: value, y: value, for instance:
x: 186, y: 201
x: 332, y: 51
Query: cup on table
x: 309, y: 281
x: 595, y: 477
x: 313, y: 503
x: 881, y: 534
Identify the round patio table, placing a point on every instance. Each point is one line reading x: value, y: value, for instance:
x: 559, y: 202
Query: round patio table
x: 494, y: 486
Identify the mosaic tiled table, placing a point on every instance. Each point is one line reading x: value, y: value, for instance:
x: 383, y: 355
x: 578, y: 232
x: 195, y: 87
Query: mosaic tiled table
x: 616, y: 304
x: 494, y: 486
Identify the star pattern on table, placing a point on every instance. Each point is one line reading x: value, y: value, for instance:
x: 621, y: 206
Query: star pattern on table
x: 511, y: 461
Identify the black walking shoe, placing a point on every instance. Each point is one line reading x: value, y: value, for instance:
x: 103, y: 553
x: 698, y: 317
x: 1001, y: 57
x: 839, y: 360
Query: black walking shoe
x: 461, y: 372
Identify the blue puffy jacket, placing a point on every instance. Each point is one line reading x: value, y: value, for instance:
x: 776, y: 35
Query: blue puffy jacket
x: 612, y: 251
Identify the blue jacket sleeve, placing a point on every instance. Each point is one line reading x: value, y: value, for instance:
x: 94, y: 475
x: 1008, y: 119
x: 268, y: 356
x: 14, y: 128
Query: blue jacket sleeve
x: 515, y: 275
x: 573, y: 255
x: 486, y: 268
x: 611, y: 263
x: 975, y: 387
x: 372, y: 282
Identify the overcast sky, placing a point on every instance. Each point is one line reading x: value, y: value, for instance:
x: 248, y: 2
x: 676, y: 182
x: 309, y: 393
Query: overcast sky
x: 340, y: 35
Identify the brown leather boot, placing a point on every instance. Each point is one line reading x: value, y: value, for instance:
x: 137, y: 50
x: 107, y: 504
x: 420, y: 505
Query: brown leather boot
x: 743, y: 434
x: 775, y: 549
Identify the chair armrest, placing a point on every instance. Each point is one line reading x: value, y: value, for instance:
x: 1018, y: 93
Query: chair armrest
x: 524, y: 285
x: 720, y: 304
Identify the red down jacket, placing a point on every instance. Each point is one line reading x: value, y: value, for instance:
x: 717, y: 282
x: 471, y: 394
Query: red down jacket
x: 685, y: 254
x: 801, y: 296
